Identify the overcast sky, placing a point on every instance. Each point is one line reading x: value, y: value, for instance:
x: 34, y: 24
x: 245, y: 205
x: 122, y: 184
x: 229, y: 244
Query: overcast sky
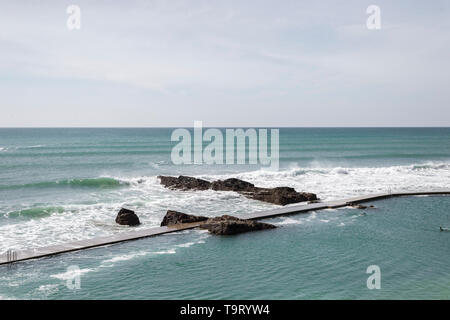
x: 228, y: 63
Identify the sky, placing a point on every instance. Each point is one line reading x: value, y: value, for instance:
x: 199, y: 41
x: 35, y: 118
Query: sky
x: 235, y: 63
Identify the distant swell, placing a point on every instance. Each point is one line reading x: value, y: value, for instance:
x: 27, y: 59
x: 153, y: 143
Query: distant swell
x: 74, y: 183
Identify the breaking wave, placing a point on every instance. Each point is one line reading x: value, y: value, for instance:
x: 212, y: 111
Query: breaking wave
x: 102, y: 182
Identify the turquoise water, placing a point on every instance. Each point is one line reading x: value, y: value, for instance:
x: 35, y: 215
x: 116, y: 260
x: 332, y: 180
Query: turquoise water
x: 322, y: 255
x: 60, y: 185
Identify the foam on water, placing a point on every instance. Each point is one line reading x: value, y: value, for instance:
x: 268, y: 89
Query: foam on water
x: 71, y: 274
x: 287, y: 221
x: 51, y: 223
x: 195, y: 237
x: 125, y: 257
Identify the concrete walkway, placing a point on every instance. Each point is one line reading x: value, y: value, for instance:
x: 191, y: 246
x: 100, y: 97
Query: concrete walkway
x: 15, y: 256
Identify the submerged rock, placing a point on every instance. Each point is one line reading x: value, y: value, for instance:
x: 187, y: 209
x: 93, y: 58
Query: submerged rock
x: 174, y: 217
x: 359, y: 205
x: 279, y: 195
x: 127, y: 217
x: 229, y: 225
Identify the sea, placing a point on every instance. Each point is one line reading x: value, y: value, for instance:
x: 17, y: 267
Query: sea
x: 59, y: 185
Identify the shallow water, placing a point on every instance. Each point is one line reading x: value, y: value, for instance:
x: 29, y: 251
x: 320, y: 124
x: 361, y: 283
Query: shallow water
x: 321, y: 255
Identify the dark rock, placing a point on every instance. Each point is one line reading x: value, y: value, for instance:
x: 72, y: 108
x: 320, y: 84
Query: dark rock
x: 127, y: 217
x: 357, y: 205
x: 281, y: 195
x: 184, y: 183
x: 229, y: 225
x: 175, y: 217
x: 232, y: 184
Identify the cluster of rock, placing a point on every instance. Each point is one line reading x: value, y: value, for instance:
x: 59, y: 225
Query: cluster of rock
x: 279, y: 195
x: 224, y: 225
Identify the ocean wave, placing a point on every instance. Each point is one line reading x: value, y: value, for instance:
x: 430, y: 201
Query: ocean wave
x: 31, y: 147
x: 37, y: 212
x: 22, y: 147
x: 103, y: 182
x: 169, y: 251
x: 294, y: 170
x: 430, y: 165
x: 150, y: 200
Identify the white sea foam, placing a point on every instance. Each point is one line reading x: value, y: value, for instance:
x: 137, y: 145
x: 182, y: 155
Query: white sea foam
x: 125, y: 257
x: 150, y: 200
x: 186, y: 245
x: 45, y: 290
x: 170, y: 251
x: 338, y: 183
x: 31, y: 147
x: 287, y: 221
x: 71, y: 274
x: 130, y: 256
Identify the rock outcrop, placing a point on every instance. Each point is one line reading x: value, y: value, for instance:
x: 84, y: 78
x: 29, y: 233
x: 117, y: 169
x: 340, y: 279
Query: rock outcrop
x: 224, y: 225
x: 127, y: 217
x: 232, y: 184
x: 174, y: 217
x: 184, y: 183
x: 279, y: 195
x: 229, y: 225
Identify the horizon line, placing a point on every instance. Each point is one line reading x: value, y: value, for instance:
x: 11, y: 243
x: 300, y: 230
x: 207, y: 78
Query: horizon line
x: 224, y: 127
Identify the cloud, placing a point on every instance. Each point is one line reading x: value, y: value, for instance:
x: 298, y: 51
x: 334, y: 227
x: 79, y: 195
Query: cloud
x: 259, y: 55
